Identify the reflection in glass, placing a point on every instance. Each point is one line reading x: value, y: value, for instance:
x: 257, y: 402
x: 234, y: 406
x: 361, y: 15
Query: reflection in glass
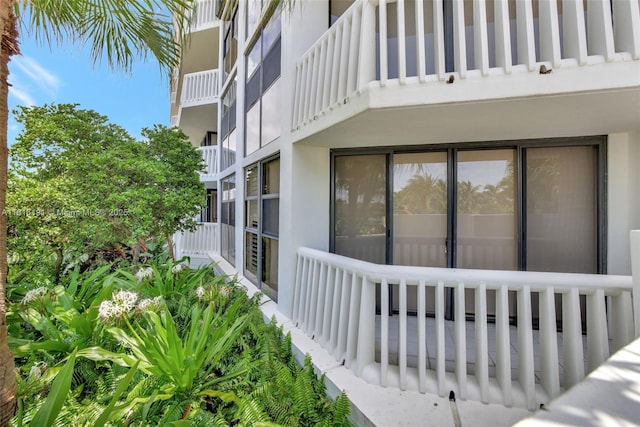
x: 486, y: 218
x: 420, y: 209
x: 253, y: 60
x: 253, y: 15
x: 271, y: 32
x: 271, y: 179
x: 271, y: 114
x: 251, y: 254
x: 253, y: 129
x: 251, y: 182
x: 228, y: 221
x: 252, y: 213
x: 561, y: 209
x: 271, y: 216
x: 360, y: 207
x: 229, y: 150
x: 270, y: 267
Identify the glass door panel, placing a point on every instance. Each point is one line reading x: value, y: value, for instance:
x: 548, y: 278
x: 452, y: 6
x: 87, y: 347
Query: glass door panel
x: 419, y: 216
x: 561, y: 209
x: 486, y: 218
x: 420, y: 209
x: 360, y: 207
x: 486, y: 215
x: 561, y: 213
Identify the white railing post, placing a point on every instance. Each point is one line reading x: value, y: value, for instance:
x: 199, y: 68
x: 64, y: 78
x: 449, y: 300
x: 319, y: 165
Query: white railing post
x: 626, y: 17
x: 503, y: 36
x: 635, y: 272
x: 460, y: 340
x: 384, y: 332
x: 366, y: 353
x: 600, y: 34
x: 421, y: 60
x: 402, y: 51
x: 549, y: 343
x: 574, y: 31
x: 572, y: 339
x: 549, y: 33
x: 459, y: 38
x: 480, y: 37
x: 367, y: 60
x: 402, y: 330
x: 438, y: 39
x: 526, y: 40
x: 503, y: 345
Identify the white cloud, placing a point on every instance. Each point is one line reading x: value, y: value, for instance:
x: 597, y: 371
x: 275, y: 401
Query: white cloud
x: 45, y: 80
x: 23, y: 96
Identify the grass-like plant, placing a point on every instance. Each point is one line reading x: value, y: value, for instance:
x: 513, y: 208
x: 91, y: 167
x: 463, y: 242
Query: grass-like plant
x: 158, y: 344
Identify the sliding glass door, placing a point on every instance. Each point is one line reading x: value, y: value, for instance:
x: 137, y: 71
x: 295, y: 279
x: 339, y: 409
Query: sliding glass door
x: 360, y: 203
x: 522, y: 206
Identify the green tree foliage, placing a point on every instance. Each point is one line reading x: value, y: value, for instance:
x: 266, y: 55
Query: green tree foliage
x: 82, y: 184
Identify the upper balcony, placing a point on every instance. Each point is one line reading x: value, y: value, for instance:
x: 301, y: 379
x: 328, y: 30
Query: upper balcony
x: 197, y: 110
x: 200, y: 46
x: 204, y: 15
x: 199, y: 88
x: 457, y: 70
x: 210, y: 157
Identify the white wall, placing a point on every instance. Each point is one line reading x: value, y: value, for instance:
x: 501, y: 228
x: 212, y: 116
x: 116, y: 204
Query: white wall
x: 304, y: 170
x: 623, y: 201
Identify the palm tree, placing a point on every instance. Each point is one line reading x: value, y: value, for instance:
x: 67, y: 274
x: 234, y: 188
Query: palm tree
x: 118, y: 31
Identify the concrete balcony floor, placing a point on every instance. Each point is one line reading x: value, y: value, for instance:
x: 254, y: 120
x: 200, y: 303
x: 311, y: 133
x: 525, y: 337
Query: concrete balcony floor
x: 412, y: 346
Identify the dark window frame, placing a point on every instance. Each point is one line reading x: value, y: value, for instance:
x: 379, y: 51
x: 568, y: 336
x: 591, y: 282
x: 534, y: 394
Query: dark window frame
x: 599, y: 142
x: 258, y: 231
x: 255, y: 84
x: 227, y: 217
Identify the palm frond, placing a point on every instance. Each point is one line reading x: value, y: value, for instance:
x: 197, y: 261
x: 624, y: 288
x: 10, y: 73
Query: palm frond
x: 118, y: 31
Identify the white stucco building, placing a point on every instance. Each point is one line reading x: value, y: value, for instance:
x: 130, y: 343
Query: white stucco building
x: 455, y: 148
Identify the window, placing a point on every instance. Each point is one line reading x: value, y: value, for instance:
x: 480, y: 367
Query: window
x: 230, y: 47
x: 228, y: 125
x: 209, y: 212
x: 210, y: 139
x: 262, y: 215
x: 526, y: 205
x: 228, y: 219
x: 263, y: 87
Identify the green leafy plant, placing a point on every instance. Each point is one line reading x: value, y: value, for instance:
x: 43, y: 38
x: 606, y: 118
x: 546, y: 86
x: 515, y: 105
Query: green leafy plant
x: 171, y: 346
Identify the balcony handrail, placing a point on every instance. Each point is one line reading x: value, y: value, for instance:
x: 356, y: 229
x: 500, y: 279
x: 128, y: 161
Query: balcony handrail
x: 199, y: 88
x: 347, y: 58
x: 210, y: 157
x: 200, y: 241
x: 335, y: 297
x: 493, y: 279
x: 204, y: 15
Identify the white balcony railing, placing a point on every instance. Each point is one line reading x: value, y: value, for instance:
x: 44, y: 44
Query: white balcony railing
x: 210, y: 156
x: 408, y: 45
x: 336, y: 299
x: 204, y: 15
x: 199, y: 88
x: 202, y: 240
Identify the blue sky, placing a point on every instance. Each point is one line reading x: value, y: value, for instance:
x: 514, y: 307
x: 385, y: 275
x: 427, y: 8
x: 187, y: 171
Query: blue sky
x: 65, y: 74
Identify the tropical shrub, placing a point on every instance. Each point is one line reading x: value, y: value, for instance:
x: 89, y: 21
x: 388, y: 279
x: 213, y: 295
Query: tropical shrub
x: 156, y: 344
